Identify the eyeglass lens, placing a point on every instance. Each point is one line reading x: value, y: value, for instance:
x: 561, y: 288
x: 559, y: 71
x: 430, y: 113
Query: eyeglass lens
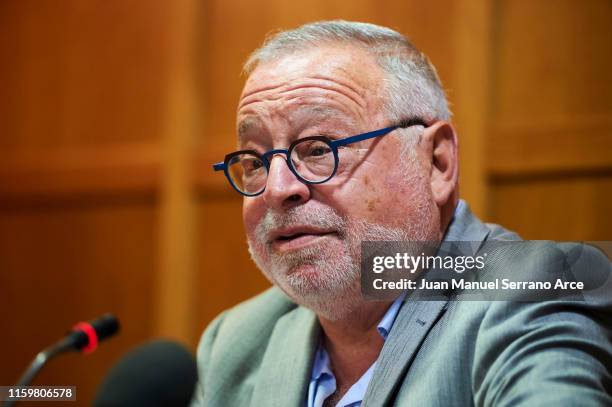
x: 312, y: 160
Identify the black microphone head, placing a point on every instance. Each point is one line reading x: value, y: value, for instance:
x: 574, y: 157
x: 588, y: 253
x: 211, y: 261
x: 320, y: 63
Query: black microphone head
x: 105, y: 326
x: 160, y: 373
x: 86, y: 335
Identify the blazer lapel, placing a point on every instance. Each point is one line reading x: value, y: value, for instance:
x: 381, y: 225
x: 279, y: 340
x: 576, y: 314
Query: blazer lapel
x: 409, y: 329
x: 416, y: 317
x: 285, y: 371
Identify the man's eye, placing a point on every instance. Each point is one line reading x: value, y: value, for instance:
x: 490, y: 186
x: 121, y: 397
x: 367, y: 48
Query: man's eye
x: 251, y: 164
x: 317, y: 149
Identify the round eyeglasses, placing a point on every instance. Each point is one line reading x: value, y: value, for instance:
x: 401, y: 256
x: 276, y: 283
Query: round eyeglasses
x: 313, y: 160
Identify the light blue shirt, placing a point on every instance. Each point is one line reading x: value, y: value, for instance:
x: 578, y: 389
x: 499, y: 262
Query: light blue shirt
x: 322, y: 379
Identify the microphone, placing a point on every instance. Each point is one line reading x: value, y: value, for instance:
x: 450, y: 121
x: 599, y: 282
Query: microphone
x: 84, y: 336
x: 159, y: 373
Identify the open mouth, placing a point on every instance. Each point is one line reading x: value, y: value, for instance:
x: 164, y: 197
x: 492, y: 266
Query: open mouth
x: 298, y: 240
x: 301, y: 234
x: 295, y: 236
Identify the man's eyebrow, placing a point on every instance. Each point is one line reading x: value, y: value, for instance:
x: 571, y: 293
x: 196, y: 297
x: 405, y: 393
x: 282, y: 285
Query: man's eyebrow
x: 316, y: 112
x: 323, y: 112
x: 245, y: 126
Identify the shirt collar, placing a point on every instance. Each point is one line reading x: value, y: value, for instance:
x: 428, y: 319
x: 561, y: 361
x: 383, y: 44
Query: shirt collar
x: 322, y: 365
x: 386, y: 323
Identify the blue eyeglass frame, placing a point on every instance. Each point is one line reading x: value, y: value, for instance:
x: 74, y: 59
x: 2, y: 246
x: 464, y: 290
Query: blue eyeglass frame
x: 334, y: 144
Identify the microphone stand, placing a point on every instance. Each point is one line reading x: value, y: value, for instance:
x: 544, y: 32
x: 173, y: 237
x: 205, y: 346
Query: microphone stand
x: 40, y: 360
x: 84, y: 336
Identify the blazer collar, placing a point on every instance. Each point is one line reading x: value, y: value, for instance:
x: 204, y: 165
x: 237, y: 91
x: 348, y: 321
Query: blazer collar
x: 465, y: 226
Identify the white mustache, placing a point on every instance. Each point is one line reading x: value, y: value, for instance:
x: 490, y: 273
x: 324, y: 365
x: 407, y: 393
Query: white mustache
x: 320, y: 217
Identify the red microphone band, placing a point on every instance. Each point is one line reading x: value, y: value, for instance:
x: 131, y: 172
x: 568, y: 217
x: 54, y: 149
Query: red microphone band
x: 92, y: 337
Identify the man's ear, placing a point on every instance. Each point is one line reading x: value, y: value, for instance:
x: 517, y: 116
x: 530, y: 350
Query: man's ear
x: 444, y: 156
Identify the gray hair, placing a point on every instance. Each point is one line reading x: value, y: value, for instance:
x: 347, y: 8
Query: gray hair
x: 412, y: 86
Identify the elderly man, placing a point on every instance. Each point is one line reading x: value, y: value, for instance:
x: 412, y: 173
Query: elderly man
x: 344, y: 137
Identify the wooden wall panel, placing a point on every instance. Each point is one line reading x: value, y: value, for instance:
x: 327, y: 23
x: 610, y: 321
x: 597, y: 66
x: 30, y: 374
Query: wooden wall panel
x: 472, y: 43
x: 81, y: 72
x: 62, y: 264
x: 563, y: 207
x: 552, y: 61
x: 533, y: 148
x: 78, y: 173
x: 92, y: 98
x: 549, y: 153
x: 175, y: 290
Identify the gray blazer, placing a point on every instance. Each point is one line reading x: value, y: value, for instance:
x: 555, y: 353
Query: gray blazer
x: 439, y: 353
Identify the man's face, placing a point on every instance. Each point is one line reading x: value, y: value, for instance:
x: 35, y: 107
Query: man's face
x: 307, y: 238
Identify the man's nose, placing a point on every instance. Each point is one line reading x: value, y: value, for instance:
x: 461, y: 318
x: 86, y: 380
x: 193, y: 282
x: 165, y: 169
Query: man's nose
x: 283, y: 188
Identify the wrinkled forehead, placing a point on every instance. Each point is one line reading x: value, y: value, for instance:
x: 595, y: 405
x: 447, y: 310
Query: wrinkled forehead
x: 350, y: 66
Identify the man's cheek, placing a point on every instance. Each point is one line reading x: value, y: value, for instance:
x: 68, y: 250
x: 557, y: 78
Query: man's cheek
x: 258, y: 249
x: 253, y: 241
x: 250, y: 220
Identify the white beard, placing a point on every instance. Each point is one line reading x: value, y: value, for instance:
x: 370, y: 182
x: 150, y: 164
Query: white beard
x: 322, y: 277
